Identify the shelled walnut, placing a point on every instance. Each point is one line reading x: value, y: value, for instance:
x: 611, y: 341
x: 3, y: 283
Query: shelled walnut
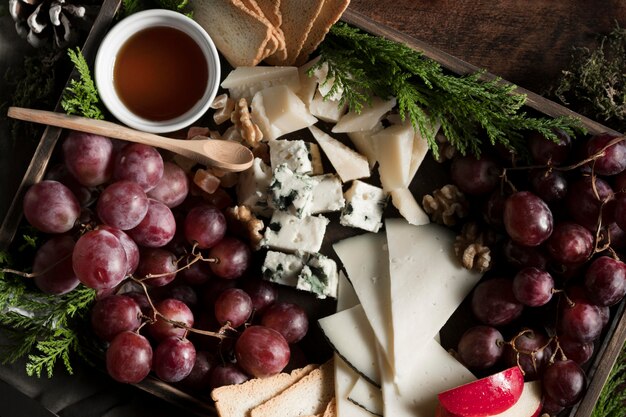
x: 244, y: 223
x: 249, y: 131
x: 446, y: 205
x: 472, y: 247
x: 446, y: 150
x: 224, y: 106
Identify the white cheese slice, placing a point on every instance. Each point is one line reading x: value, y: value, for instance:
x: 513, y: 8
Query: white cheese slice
x: 345, y: 377
x: 368, y: 396
x: 404, y: 201
x: 434, y: 371
x: 366, y: 261
x: 363, y: 143
x: 352, y: 338
x: 369, y: 117
x: 278, y: 111
x: 427, y: 285
x: 346, y: 296
x: 393, y: 151
x: 327, y: 110
x: 349, y: 164
x: 245, y: 82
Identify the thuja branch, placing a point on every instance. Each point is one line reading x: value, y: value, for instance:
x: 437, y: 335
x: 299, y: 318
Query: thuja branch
x: 469, y: 109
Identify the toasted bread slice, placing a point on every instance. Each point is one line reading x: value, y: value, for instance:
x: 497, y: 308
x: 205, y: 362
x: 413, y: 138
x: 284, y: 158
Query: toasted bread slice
x: 309, y: 396
x: 238, y: 400
x: 240, y: 35
x: 276, y: 45
x: 271, y: 10
x: 298, y: 17
x: 331, y: 408
x: 331, y: 12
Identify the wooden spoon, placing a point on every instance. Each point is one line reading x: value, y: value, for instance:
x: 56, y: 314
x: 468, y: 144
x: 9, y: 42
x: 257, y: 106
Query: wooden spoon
x: 223, y: 154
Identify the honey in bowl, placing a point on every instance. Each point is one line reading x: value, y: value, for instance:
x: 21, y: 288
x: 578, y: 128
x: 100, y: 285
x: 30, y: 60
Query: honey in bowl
x: 160, y: 73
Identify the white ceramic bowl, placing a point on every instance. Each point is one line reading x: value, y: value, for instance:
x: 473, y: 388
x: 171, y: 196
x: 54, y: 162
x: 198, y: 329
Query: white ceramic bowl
x: 115, y: 39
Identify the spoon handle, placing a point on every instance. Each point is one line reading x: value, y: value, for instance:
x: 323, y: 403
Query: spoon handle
x: 98, y: 127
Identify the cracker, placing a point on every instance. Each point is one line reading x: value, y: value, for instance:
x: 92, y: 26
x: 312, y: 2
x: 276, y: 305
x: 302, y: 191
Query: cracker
x: 298, y: 18
x: 240, y: 35
x: 330, y: 14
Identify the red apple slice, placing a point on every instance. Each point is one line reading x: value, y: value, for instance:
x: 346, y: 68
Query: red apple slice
x: 529, y: 404
x: 486, y: 397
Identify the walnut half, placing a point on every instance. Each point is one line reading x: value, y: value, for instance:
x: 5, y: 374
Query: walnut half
x: 245, y: 224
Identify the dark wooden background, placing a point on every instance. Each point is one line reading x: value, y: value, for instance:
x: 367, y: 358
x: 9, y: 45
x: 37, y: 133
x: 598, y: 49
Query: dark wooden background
x: 527, y: 42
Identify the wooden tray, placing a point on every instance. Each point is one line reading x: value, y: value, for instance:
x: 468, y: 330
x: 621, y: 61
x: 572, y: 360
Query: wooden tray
x: 615, y: 335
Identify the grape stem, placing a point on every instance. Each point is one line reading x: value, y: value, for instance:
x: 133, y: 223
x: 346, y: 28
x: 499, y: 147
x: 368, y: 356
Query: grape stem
x: 34, y: 274
x: 221, y: 334
x: 531, y: 353
x: 196, y: 258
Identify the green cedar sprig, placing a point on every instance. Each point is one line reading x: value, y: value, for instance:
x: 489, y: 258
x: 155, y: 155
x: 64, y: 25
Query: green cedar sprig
x: 469, y: 109
x: 40, y: 326
x: 613, y: 395
x: 81, y: 96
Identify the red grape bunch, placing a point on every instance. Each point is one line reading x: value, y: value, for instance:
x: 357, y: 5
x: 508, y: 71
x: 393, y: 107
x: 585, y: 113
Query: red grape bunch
x: 562, y: 222
x: 175, y: 293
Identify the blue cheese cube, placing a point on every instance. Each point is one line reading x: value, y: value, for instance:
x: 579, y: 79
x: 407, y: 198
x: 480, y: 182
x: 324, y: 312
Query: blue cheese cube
x: 292, y: 153
x: 282, y: 268
x: 289, y: 233
x: 319, y: 276
x: 252, y: 188
x: 364, y: 207
x: 327, y: 194
x: 291, y: 192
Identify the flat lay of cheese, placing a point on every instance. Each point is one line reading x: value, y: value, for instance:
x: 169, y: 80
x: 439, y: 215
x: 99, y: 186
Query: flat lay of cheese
x: 326, y: 172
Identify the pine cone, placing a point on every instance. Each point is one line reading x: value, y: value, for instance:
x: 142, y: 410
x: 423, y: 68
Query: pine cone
x: 472, y: 247
x: 446, y: 205
x: 40, y: 20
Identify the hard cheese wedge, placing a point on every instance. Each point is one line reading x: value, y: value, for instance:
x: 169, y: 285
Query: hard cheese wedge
x: 351, y: 336
x: 349, y: 164
x: 427, y: 285
x: 245, y: 82
x: 365, y: 258
x: 394, y: 162
x: 367, y: 119
x: 416, y: 395
x: 404, y: 201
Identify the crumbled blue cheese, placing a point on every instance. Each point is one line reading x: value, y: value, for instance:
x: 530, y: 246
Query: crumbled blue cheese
x: 282, y: 268
x: 319, y: 276
x: 327, y: 194
x: 289, y: 233
x: 252, y: 188
x: 292, y: 153
x: 364, y: 207
x: 291, y: 192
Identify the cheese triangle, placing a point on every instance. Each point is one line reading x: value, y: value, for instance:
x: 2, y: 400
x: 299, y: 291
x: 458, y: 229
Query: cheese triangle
x: 427, y: 285
x: 366, y: 261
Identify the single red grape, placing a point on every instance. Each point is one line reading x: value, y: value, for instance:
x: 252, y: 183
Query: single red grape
x: 232, y: 258
x: 261, y: 351
x: 527, y: 219
x: 174, y: 359
x: 288, y: 319
x: 129, y: 358
x: 480, y: 347
x: 494, y: 303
